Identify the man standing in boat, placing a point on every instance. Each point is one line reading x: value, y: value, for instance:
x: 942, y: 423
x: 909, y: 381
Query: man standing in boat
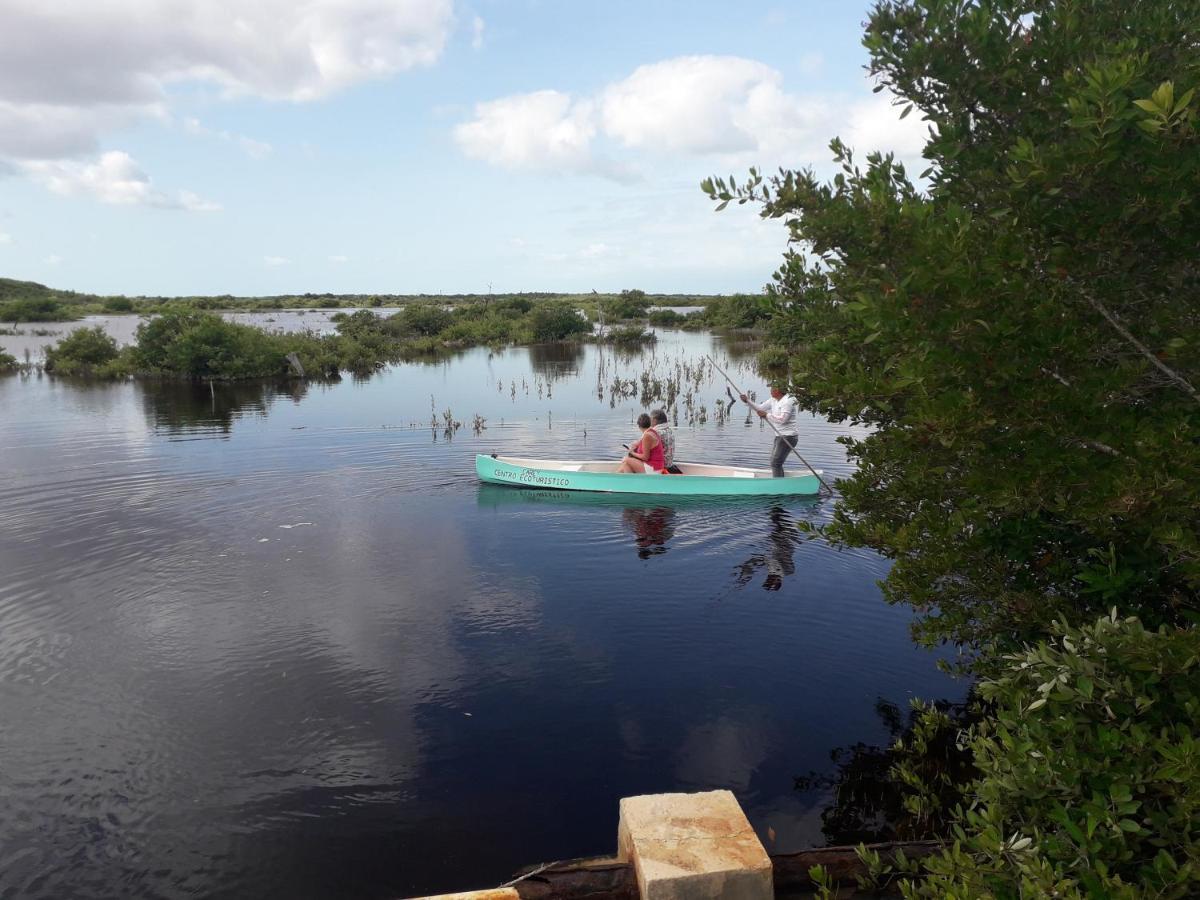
x: 780, y: 411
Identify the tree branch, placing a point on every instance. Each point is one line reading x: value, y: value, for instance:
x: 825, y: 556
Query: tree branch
x: 1102, y: 447
x: 1142, y: 348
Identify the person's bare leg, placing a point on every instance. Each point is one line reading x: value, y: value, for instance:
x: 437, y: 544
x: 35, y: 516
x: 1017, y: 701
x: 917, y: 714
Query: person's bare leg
x: 631, y: 466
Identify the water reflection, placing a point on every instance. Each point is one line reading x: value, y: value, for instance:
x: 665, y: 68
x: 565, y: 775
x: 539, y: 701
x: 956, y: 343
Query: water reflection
x: 652, y: 529
x: 654, y: 522
x: 180, y: 407
x: 556, y: 360
x: 866, y: 803
x: 306, y: 654
x: 779, y: 559
x: 741, y: 345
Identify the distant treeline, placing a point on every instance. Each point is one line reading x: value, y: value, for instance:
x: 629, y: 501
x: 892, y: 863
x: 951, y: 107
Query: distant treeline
x: 28, y: 301
x: 184, y: 342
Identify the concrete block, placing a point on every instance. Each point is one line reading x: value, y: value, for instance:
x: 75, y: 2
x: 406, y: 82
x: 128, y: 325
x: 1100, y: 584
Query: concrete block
x: 693, y: 847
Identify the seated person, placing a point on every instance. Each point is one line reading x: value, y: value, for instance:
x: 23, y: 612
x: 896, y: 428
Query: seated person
x: 666, y: 434
x: 646, y: 456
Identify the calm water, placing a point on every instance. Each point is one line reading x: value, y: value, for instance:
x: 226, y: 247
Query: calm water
x: 261, y: 643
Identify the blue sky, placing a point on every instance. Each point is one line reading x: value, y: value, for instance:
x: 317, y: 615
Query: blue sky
x: 403, y: 146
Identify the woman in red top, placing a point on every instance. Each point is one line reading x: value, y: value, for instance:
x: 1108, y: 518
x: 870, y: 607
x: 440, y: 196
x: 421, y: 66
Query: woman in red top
x: 646, y: 455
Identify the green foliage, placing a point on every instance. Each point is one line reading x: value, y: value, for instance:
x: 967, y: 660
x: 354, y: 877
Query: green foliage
x: 556, y: 322
x: 8, y: 362
x: 28, y: 301
x: 187, y: 339
x: 422, y: 319
x: 86, y: 351
x: 823, y: 882
x: 773, y: 362
x: 738, y: 311
x: 514, y: 304
x: 666, y: 318
x: 630, y: 336
x: 118, y: 305
x: 203, y: 345
x: 35, y: 310
x: 1089, y: 779
x: 629, y: 305
x: 1020, y: 335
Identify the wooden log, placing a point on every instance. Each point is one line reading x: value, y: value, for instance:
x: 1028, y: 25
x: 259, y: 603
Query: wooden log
x: 601, y: 878
x: 607, y: 878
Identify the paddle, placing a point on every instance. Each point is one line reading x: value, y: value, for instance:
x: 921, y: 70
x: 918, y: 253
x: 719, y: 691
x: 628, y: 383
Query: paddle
x: 740, y: 393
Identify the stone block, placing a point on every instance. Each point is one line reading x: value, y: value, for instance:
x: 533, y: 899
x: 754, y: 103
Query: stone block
x: 693, y: 847
x: 490, y: 894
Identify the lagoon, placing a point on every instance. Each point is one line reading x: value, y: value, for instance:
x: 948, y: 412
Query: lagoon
x: 277, y: 640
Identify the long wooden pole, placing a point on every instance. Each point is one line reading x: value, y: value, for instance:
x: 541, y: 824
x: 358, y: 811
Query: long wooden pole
x: 740, y: 393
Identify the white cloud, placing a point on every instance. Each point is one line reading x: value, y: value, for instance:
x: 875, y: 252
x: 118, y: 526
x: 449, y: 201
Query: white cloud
x: 276, y: 261
x: 729, y: 108
x: 477, y: 27
x: 597, y: 249
x: 695, y: 104
x: 542, y: 129
x: 83, y: 53
x: 811, y: 63
x: 5, y: 237
x: 876, y: 125
x: 251, y: 147
x: 73, y: 70
x: 194, y: 203
x: 114, y: 178
x: 53, y: 259
x: 339, y: 259
x: 545, y: 130
x: 34, y: 130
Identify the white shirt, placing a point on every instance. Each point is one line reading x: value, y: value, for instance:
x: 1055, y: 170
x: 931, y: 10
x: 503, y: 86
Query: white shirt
x: 781, y: 413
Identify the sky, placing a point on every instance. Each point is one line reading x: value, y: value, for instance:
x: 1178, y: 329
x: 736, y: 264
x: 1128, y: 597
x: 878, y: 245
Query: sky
x: 254, y: 147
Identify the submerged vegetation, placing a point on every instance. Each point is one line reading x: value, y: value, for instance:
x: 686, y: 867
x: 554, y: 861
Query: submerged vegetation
x: 1020, y: 334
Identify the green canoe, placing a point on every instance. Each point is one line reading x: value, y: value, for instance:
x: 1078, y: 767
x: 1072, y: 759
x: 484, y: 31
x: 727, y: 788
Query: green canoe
x: 697, y: 480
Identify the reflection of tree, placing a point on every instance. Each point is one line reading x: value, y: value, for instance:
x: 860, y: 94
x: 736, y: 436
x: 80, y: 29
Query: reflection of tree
x: 868, y: 801
x: 557, y: 359
x: 738, y: 345
x: 180, y: 406
x: 779, y: 560
x: 652, y: 528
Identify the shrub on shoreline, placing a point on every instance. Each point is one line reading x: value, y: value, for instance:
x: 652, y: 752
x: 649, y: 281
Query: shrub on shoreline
x: 185, y: 342
x: 630, y: 335
x: 556, y: 323
x: 666, y: 318
x: 203, y: 345
x: 86, y: 351
x: 36, y: 310
x: 629, y: 305
x: 1089, y: 780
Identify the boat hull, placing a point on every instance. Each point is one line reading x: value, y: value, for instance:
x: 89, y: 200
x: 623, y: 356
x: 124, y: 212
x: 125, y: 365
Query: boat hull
x: 527, y: 473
